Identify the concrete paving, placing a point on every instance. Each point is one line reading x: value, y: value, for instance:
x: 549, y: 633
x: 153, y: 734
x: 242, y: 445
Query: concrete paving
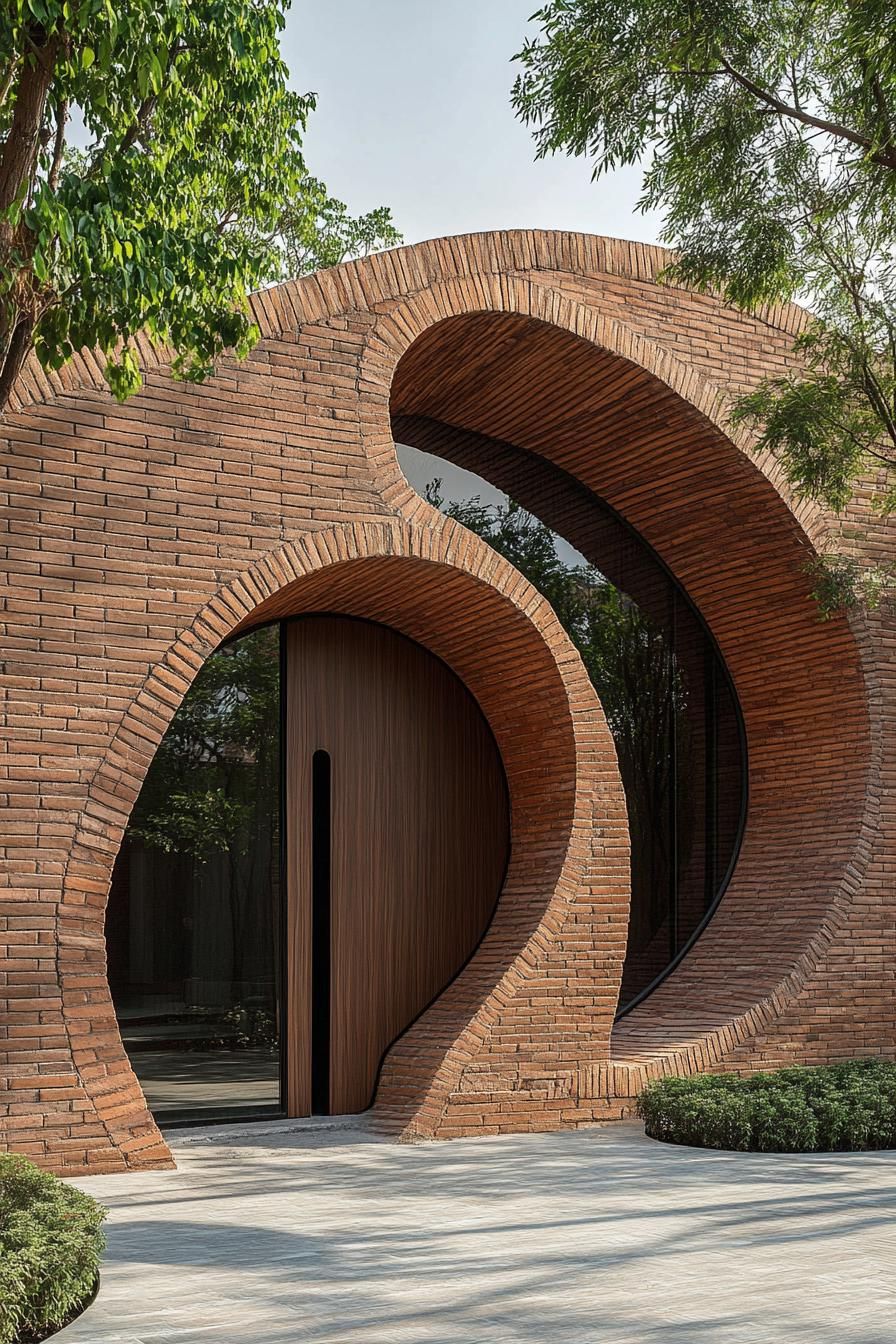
x: 598, y: 1236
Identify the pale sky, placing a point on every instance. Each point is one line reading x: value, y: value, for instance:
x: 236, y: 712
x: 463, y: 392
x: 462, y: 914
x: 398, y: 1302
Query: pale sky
x: 414, y: 113
x: 457, y: 484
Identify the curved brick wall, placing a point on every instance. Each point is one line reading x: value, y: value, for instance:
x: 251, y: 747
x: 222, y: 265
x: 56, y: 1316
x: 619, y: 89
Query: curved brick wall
x: 139, y: 536
x: 736, y: 547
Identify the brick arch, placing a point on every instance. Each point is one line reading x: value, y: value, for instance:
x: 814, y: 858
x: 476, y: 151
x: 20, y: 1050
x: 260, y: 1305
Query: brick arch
x: 449, y: 592
x: 419, y: 317
x: 136, y: 534
x: 662, y: 443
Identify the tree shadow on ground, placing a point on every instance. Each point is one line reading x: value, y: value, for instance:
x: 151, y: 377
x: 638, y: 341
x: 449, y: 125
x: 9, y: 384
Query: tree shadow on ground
x: 589, y: 1236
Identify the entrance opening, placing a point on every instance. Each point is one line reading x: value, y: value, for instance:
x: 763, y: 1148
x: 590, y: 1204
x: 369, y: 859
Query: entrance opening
x: 194, y: 914
x: 666, y: 692
x: 317, y: 850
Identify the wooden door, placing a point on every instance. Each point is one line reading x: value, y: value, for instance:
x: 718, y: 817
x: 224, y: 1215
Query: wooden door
x: 397, y: 843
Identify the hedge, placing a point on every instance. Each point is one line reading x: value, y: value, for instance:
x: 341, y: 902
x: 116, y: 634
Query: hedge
x: 50, y: 1249
x: 833, y: 1108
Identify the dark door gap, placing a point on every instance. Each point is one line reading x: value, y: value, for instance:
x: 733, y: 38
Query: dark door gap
x: 321, y: 843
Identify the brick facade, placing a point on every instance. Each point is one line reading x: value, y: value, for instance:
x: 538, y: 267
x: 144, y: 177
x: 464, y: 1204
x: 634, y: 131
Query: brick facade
x: 138, y: 537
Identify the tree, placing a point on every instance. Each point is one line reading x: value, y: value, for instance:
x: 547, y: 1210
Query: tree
x: 185, y: 190
x: 769, y: 132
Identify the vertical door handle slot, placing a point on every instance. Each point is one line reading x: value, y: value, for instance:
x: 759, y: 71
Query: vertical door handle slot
x: 321, y: 843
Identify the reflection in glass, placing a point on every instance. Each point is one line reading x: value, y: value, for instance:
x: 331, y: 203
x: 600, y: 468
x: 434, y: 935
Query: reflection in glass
x: 193, y: 924
x: 663, y: 687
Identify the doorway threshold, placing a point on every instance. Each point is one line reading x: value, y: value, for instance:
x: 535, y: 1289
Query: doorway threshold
x: 181, y: 1137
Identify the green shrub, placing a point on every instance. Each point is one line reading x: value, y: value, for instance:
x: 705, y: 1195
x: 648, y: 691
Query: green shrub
x: 50, y: 1249
x: 834, y: 1108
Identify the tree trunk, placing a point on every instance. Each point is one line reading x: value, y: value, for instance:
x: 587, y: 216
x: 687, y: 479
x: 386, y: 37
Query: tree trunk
x: 18, y: 163
x: 16, y: 354
x: 22, y: 144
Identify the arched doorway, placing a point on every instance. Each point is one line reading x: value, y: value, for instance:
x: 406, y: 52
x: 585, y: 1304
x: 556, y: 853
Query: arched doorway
x: 316, y: 851
x: 275, y: 489
x: 670, y: 703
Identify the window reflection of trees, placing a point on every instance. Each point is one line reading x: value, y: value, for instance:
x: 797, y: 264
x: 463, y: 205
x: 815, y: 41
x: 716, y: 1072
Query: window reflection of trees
x: 193, y: 923
x: 656, y: 719
x: 213, y: 786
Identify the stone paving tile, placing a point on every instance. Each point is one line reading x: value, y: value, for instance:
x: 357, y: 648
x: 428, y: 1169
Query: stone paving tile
x: 279, y: 1235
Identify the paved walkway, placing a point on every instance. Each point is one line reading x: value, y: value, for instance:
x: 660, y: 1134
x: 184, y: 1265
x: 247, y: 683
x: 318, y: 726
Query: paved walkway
x: 592, y: 1237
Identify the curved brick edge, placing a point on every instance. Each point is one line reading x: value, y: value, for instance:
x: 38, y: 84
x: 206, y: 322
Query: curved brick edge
x: 555, y: 263
x: 673, y: 1036
x: 567, y: 883
x: 428, y: 281
x: 361, y: 285
x: 408, y: 318
x: 461, y: 265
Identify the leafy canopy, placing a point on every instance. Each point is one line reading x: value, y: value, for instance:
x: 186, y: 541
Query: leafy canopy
x: 769, y: 132
x: 188, y: 187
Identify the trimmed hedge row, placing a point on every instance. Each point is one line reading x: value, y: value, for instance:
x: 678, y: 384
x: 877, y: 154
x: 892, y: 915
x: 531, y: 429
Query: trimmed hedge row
x: 832, y: 1108
x: 50, y: 1249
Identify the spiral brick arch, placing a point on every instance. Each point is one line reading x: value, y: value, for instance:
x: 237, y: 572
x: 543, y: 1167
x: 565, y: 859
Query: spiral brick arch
x: 451, y: 593
x: 140, y: 536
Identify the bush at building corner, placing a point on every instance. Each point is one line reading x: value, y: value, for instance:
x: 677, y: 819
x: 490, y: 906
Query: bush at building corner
x: 50, y: 1249
x: 833, y: 1108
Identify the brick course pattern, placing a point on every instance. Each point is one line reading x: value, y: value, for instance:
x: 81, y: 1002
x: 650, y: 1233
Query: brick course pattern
x: 138, y: 537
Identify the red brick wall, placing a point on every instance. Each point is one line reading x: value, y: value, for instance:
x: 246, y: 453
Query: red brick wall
x: 137, y: 537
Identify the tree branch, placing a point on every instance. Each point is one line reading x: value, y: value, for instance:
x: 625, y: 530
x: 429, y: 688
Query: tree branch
x: 875, y: 393
x: 9, y: 75
x: 886, y: 156
x: 14, y: 358
x: 59, y: 143
x: 880, y: 103
x: 148, y: 106
x: 139, y: 124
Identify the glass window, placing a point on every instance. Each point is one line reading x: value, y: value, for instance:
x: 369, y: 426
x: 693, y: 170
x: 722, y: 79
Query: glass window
x: 193, y: 923
x: 665, y: 691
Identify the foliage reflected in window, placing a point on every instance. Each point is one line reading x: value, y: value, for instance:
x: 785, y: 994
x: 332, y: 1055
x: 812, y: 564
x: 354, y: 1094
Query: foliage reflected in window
x: 193, y: 924
x: 664, y: 720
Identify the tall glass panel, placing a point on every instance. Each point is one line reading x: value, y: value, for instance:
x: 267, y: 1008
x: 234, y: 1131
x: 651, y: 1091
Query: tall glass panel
x: 194, y: 916
x: 666, y: 694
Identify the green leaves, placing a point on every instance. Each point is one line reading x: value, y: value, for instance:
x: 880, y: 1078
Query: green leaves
x: 198, y: 822
x: 835, y: 1108
x: 316, y: 231
x: 768, y: 131
x: 50, y: 1250
x: 192, y: 190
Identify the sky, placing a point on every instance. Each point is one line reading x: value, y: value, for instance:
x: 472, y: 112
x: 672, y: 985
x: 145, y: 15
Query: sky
x: 457, y: 484
x: 414, y: 113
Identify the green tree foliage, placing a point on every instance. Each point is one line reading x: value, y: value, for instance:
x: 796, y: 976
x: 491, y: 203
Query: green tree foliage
x: 186, y: 190
x: 769, y: 134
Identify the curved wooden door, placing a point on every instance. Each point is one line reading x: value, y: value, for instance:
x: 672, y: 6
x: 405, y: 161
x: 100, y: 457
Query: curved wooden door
x: 417, y: 834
